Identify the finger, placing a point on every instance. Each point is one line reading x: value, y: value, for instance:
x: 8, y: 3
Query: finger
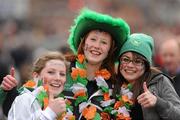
x: 6, y: 86
x: 142, y: 100
x: 141, y: 96
x: 12, y: 72
x: 145, y: 87
x: 8, y: 81
x: 145, y: 104
x: 11, y: 80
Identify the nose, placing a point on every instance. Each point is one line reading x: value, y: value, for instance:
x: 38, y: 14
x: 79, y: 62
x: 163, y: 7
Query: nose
x: 97, y: 45
x: 57, y: 77
x: 130, y: 64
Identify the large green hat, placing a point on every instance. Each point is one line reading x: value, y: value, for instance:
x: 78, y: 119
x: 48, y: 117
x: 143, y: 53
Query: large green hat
x: 140, y: 43
x: 89, y: 20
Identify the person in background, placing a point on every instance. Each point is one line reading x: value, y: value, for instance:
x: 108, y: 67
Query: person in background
x: 6, y: 62
x: 151, y: 94
x: 170, y: 56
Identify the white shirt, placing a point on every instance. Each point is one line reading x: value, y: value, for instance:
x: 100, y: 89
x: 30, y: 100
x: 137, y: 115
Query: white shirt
x: 26, y: 107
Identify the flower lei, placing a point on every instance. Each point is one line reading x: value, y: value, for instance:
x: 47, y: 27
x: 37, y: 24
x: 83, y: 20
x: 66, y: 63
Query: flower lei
x: 43, y: 100
x: 124, y: 103
x: 79, y: 89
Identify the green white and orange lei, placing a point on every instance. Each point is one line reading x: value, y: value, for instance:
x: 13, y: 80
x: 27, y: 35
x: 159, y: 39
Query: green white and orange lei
x: 43, y: 100
x: 119, y: 108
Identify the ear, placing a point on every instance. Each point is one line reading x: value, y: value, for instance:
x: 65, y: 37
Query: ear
x: 35, y: 74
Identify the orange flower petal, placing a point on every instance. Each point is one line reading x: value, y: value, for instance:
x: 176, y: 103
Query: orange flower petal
x: 81, y: 58
x: 121, y: 117
x: 125, y: 98
x: 89, y: 113
x: 106, y: 96
x: 46, y: 102
x: 80, y: 93
x: 45, y: 87
x: 82, y: 73
x: 104, y: 73
x: 77, y: 71
x: 85, y: 111
x: 64, y: 117
x: 30, y: 84
x: 105, y: 116
x: 74, y: 73
x: 71, y: 117
x: 117, y: 105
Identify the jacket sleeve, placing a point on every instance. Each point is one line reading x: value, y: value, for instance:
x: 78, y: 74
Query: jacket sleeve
x: 8, y: 100
x: 26, y: 107
x: 168, y: 102
x: 2, y: 96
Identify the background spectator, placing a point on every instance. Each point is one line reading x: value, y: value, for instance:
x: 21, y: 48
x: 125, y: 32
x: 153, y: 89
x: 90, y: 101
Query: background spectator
x: 170, y: 56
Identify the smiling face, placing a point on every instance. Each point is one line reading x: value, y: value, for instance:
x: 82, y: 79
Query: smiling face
x: 97, y: 46
x: 54, y: 76
x: 131, y: 67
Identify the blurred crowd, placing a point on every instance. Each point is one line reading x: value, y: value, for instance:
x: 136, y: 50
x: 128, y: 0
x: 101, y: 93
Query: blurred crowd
x: 30, y: 27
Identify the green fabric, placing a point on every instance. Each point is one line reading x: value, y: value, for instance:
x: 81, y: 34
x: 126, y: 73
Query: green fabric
x: 3, y: 95
x: 140, y: 43
x: 69, y: 82
x: 90, y: 20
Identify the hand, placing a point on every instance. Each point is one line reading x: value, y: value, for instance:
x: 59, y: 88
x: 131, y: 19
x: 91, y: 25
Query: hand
x: 9, y: 81
x: 147, y: 99
x: 58, y: 105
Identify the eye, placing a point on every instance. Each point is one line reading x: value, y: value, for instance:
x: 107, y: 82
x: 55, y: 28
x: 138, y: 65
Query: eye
x: 138, y: 61
x: 104, y: 42
x: 125, y: 60
x: 51, y: 72
x: 92, y: 39
x: 62, y: 74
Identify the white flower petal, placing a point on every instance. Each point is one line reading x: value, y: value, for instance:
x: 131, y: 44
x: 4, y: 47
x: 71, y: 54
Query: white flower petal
x: 82, y: 106
x: 107, y: 103
x: 77, y: 87
x: 101, y: 82
x: 124, y: 111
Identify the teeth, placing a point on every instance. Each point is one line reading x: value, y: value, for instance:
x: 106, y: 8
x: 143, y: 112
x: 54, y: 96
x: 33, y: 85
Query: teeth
x: 95, y: 52
x: 55, y: 85
x: 130, y: 71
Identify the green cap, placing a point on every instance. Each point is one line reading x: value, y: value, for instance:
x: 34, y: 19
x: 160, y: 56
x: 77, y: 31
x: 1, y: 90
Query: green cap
x: 140, y: 43
x: 90, y: 20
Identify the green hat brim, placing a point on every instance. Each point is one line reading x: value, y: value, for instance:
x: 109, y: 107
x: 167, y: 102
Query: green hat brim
x: 89, y: 20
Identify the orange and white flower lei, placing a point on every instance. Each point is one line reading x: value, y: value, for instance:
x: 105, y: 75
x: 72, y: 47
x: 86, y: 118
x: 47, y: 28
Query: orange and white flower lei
x: 79, y: 76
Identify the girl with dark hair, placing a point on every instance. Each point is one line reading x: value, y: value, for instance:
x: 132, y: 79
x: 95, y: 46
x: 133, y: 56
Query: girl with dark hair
x: 152, y: 93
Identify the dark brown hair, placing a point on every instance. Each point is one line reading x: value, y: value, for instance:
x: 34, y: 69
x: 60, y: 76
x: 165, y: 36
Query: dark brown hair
x: 138, y: 85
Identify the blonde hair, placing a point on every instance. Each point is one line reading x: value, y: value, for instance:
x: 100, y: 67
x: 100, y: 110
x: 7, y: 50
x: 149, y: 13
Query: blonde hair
x: 40, y: 63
